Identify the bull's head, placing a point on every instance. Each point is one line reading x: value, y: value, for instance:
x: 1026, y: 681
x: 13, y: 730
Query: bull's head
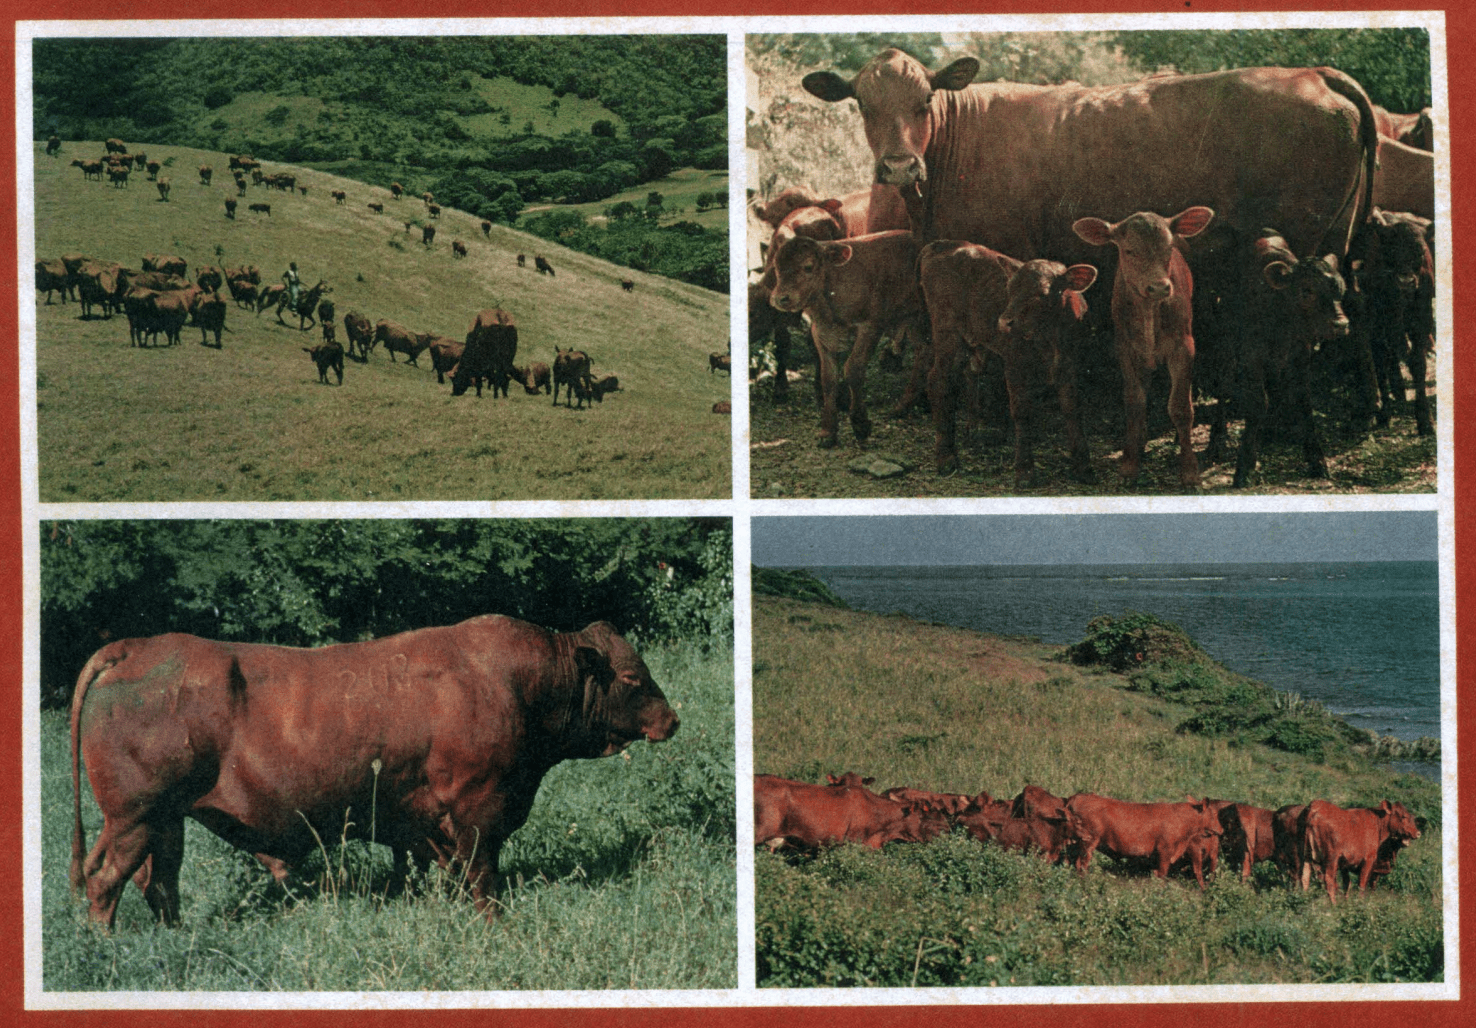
x: 622, y: 703
x: 895, y: 93
x: 1317, y: 290
x: 1145, y: 244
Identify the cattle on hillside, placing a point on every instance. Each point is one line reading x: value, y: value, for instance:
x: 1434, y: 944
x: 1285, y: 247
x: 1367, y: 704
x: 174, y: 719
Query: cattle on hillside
x: 491, y: 346
x: 808, y: 816
x: 328, y: 356
x: 1161, y: 832
x: 53, y: 145
x: 1335, y: 841
x: 339, y: 196
x: 261, y: 208
x: 487, y: 229
x: 458, y: 248
x: 208, y: 314
x: 427, y: 234
x: 570, y: 366
x: 51, y: 276
x: 445, y: 354
x: 175, y: 725
x: 360, y: 334
x: 399, y: 339
x: 230, y: 208
x: 206, y: 173
x: 534, y: 378
x: 541, y: 263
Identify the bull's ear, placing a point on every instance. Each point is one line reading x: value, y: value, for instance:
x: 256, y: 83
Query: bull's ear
x: 1074, y: 303
x: 956, y: 76
x: 1080, y: 277
x: 593, y: 664
x: 1093, y: 230
x: 1277, y: 274
x: 831, y: 779
x: 1191, y: 222
x: 828, y: 86
x: 836, y: 253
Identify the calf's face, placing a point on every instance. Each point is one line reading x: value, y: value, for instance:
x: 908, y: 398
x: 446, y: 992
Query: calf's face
x: 800, y: 269
x: 1145, y: 246
x: 1317, y: 290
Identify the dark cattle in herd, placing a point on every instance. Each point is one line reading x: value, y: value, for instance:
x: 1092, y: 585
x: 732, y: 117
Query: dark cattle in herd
x: 1160, y: 832
x: 1153, y: 322
x: 52, y: 276
x: 1026, y: 834
x: 458, y: 248
x: 570, y: 366
x: 360, y: 334
x: 53, y: 146
x: 719, y: 362
x: 327, y: 356
x: 983, y: 302
x: 339, y: 196
x: 809, y: 816
x: 522, y: 260
x: 628, y: 285
x: 428, y: 234
x: 261, y: 208
x: 209, y: 316
x: 398, y: 339
x: 541, y: 263
x: 175, y: 726
x: 206, y: 172
x: 1335, y: 841
x: 1395, y: 315
x: 866, y: 285
x: 1405, y: 180
x: 534, y: 378
x: 491, y: 346
x: 166, y: 264
x: 445, y: 354
x: 377, y: 208
x: 230, y: 209
x: 487, y: 229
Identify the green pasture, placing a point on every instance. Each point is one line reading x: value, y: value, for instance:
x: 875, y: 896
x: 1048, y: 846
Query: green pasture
x: 622, y: 878
x: 934, y: 707
x: 251, y: 422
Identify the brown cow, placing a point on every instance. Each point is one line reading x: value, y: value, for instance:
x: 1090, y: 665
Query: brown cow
x: 261, y: 208
x: 115, y: 146
x: 1153, y: 322
x: 428, y: 234
x: 339, y: 196
x: 52, y: 276
x: 399, y: 339
x: 1416, y: 130
x: 1334, y: 840
x: 205, y: 174
x: 377, y: 208
x: 243, y: 291
x: 396, y: 190
x: 458, y: 248
x: 1161, y: 832
x: 1405, y: 180
x: 541, y: 263
x: 982, y: 302
x: 230, y: 209
x: 445, y: 354
x: 487, y: 229
x: 427, y: 197
x: 867, y: 284
x: 118, y: 177
x: 723, y: 407
x: 1033, y: 801
x: 250, y: 272
x: 1025, y: 834
x: 209, y: 278
x: 1394, y: 317
x: 166, y: 264
x: 628, y: 285
x: 950, y: 803
x: 570, y: 366
x: 445, y: 733
x: 719, y: 362
x: 53, y: 145
x: 327, y: 355
x: 534, y: 378
x: 96, y: 282
x: 850, y: 779
x: 522, y: 260
x: 810, y: 816
x: 435, y: 210
x: 360, y: 334
x: 491, y: 345
x: 209, y: 313
x: 240, y: 185
x: 1249, y: 837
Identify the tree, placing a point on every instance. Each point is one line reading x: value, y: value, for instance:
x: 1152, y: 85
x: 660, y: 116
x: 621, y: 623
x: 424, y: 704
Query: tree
x: 604, y: 127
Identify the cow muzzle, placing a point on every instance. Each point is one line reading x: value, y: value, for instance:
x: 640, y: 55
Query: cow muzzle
x: 901, y: 170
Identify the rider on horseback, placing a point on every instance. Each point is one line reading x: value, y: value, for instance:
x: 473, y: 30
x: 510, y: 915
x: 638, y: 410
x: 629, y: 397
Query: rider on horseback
x: 293, y: 285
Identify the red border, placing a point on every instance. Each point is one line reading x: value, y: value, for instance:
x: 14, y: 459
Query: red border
x: 1460, y: 41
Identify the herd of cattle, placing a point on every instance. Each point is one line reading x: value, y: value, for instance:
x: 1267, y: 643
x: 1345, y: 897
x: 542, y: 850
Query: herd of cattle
x: 1317, y: 837
x: 161, y: 298
x: 1274, y: 210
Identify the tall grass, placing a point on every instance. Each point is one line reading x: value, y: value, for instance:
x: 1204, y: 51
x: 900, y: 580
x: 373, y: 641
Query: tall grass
x: 251, y: 421
x: 622, y: 878
x: 954, y: 710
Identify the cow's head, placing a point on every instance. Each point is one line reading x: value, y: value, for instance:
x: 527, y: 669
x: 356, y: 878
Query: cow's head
x: 1043, y: 295
x: 1145, y: 244
x: 800, y: 267
x: 621, y: 702
x: 1394, y: 252
x: 894, y: 93
x: 1399, y: 822
x: 1317, y: 290
x: 848, y: 780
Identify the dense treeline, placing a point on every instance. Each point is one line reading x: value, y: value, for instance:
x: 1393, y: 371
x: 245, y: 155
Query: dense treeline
x: 407, y: 109
x: 308, y: 583
x: 683, y: 249
x: 1393, y: 65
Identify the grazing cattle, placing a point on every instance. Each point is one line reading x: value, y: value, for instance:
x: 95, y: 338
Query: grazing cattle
x: 153, y: 168
x: 950, y: 803
x: 491, y: 345
x: 1416, y: 130
x: 115, y: 146
x: 399, y: 339
x: 984, y: 302
x: 209, y: 278
x: 53, y: 146
x: 1286, y: 840
x: 723, y: 407
x: 1335, y: 840
x: 435, y: 210
x: 487, y: 229
x: 303, y: 190
x: 339, y: 196
x: 445, y: 354
x: 396, y: 190
x: 151, y: 312
x: 522, y: 260
x: 249, y: 272
x: 607, y: 384
x: 1153, y: 322
x: 428, y: 198
x: 206, y: 172
x: 90, y: 169
x: 271, y: 296
x: 96, y: 283
x: 719, y: 362
x: 1405, y: 180
x: 570, y: 366
x: 594, y: 389
x: 261, y: 208
x: 1162, y: 832
x: 541, y: 263
x: 534, y: 378
x: 1295, y: 305
x: 326, y: 313
x: 377, y: 208
x: 230, y: 208
x: 1024, y: 834
x: 166, y: 264
x: 360, y: 334
x: 118, y: 177
x: 428, y: 234
x: 163, y: 186
x: 445, y: 733
x: 458, y: 248
x: 243, y: 291
x: 240, y: 186
x: 1033, y: 801
x: 809, y: 816
x: 1395, y: 313
x: 52, y: 276
x: 209, y: 316
x: 628, y: 285
x: 1248, y: 836
x: 867, y: 285
x: 328, y: 355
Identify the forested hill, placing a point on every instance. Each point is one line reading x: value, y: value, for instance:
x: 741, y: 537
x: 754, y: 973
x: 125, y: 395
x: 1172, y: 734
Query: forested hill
x: 559, y: 118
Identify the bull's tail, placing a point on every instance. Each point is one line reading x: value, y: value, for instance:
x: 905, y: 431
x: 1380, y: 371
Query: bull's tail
x: 1368, y: 136
x: 100, y: 662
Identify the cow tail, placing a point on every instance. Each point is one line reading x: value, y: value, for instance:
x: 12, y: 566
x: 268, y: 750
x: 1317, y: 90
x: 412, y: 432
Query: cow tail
x: 1368, y: 136
x: 101, y: 661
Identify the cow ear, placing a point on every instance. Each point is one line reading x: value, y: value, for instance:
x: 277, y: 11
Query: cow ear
x: 1093, y: 230
x: 956, y: 76
x: 1080, y: 277
x: 830, y: 206
x: 1074, y: 304
x: 593, y: 664
x: 1191, y: 222
x: 867, y: 781
x: 827, y: 86
x: 832, y: 780
x: 837, y: 254
x: 1277, y: 274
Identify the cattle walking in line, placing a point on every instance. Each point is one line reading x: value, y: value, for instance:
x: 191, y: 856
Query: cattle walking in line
x: 490, y: 348
x: 118, y: 177
x: 360, y: 335
x: 399, y: 339
x: 1162, y: 832
x: 798, y: 814
x: 208, y: 314
x: 522, y: 260
x: 445, y: 354
x: 377, y: 208
x: 261, y: 208
x: 1335, y: 841
x: 435, y: 210
x: 328, y: 355
x: 206, y: 172
x: 1153, y: 322
x: 163, y: 187
x: 541, y: 263
x: 176, y: 725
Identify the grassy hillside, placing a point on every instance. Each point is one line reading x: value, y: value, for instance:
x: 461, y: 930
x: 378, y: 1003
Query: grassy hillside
x: 943, y: 708
x: 634, y: 851
x: 251, y: 421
